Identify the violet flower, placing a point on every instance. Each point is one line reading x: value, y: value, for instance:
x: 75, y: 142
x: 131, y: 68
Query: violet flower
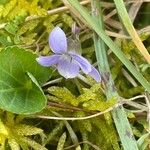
x: 68, y: 63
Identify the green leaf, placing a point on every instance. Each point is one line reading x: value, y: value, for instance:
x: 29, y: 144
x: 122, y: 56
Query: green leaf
x: 3, y: 129
x: 33, y: 144
x: 11, y: 28
x: 63, y: 94
x: 27, y: 130
x: 13, y: 144
x: 5, y: 40
x: 18, y: 93
x: 143, y: 141
x: 2, y: 2
x: 144, y: 67
x: 61, y: 142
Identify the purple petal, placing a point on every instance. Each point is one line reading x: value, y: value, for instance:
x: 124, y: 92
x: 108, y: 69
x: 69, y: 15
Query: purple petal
x: 68, y: 67
x: 83, y: 63
x: 58, y: 40
x: 95, y: 74
x: 48, y: 60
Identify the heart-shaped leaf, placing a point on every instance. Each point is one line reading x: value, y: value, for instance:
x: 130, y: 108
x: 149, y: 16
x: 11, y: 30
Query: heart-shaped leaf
x: 18, y: 93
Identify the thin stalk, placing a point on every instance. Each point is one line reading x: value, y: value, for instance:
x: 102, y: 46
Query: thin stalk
x: 79, y: 10
x: 119, y: 115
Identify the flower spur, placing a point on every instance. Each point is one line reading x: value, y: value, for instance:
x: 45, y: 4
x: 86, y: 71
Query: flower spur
x: 68, y: 63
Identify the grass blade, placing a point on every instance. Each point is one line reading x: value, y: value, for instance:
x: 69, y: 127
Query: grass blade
x: 130, y: 28
x: 119, y: 115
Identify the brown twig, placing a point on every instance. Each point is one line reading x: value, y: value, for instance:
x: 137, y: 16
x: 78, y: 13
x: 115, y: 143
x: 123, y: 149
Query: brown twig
x: 72, y: 108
